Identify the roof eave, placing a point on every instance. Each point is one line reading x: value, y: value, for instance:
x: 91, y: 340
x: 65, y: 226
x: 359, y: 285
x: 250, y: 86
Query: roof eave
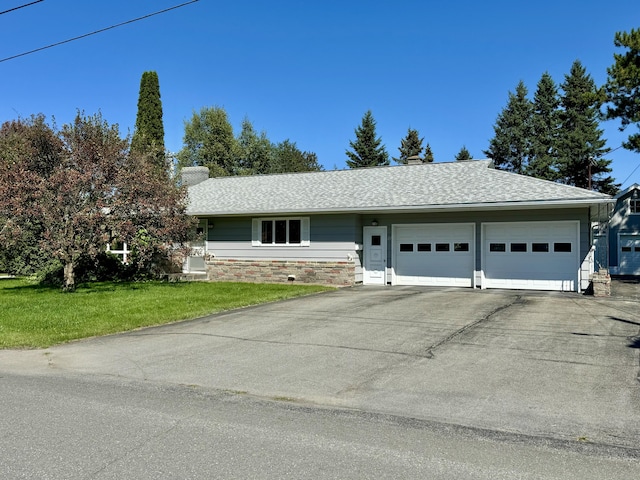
x: 545, y: 204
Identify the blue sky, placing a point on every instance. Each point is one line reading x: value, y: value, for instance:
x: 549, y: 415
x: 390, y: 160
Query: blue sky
x: 308, y: 70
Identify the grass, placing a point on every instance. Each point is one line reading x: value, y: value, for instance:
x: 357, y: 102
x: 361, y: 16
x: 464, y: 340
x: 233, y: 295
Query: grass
x: 32, y: 316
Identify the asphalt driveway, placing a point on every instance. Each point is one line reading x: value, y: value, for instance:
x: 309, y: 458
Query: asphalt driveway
x: 546, y: 364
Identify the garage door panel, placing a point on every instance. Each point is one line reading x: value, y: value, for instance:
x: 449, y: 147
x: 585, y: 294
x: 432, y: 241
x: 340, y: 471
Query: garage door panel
x: 629, y: 263
x: 435, y: 254
x: 532, y: 256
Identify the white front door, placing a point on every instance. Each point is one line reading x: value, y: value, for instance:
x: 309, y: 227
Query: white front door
x: 375, y: 256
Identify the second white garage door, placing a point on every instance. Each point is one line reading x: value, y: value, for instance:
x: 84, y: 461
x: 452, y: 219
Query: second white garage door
x: 531, y: 255
x: 434, y: 254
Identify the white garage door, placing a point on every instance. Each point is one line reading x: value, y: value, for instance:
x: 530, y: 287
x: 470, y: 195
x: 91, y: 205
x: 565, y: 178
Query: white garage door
x: 434, y: 254
x: 531, y: 255
x: 629, y: 263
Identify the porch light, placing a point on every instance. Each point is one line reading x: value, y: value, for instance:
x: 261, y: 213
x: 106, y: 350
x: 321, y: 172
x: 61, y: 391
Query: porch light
x: 374, y: 223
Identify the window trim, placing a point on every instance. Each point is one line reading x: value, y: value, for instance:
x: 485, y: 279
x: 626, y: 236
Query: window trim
x: 634, y: 204
x: 256, y: 234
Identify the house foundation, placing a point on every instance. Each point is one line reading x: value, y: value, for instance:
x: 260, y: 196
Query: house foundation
x: 337, y: 274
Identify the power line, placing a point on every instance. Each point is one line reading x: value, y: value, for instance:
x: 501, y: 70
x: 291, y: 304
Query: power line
x: 96, y: 31
x: 21, y: 6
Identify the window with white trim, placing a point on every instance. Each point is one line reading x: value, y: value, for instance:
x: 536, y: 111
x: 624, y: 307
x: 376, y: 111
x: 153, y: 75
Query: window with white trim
x: 634, y: 206
x: 280, y: 232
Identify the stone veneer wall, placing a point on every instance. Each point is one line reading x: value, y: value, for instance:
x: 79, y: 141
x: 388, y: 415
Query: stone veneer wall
x: 280, y: 271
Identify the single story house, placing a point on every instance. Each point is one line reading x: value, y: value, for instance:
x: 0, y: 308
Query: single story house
x: 460, y: 224
x: 618, y: 246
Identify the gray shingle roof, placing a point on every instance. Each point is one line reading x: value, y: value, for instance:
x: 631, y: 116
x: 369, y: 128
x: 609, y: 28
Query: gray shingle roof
x: 471, y: 184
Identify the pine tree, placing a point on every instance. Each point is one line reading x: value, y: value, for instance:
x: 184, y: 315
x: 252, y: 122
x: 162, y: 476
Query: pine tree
x: 367, y: 149
x: 410, y: 146
x: 148, y: 137
x: 623, y: 86
x: 545, y: 123
x: 256, y: 151
x: 580, y: 143
x: 463, y: 155
x: 428, y: 154
x: 509, y: 148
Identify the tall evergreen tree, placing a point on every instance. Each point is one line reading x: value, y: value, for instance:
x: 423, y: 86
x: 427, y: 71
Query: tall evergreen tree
x: 545, y: 123
x: 623, y: 85
x: 428, y: 154
x: 148, y: 137
x: 509, y: 148
x: 463, y: 155
x: 580, y: 144
x: 368, y: 150
x: 410, y: 146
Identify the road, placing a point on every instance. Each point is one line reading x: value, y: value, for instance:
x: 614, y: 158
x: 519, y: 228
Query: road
x: 73, y: 427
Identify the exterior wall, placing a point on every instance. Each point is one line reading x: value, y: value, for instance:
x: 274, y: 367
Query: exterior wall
x: 282, y: 271
x: 621, y: 223
x: 331, y: 257
x: 580, y: 214
x: 335, y: 255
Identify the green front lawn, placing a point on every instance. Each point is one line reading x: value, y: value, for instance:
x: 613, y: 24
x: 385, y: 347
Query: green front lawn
x: 32, y: 316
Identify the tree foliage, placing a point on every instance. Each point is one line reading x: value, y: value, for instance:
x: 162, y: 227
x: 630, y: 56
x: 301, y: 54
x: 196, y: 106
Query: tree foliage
x: 287, y: 157
x: 623, y: 86
x: 463, y: 154
x: 209, y: 142
x: 96, y: 191
x: 410, y: 146
x: 256, y: 151
x: 580, y: 144
x: 509, y: 148
x: 148, y: 136
x: 428, y: 154
x: 368, y: 150
x: 545, y: 124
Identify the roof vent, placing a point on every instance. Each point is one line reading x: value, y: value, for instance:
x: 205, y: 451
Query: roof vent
x: 414, y: 160
x: 190, y: 176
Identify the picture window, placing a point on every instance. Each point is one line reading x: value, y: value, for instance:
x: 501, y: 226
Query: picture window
x: 281, y: 231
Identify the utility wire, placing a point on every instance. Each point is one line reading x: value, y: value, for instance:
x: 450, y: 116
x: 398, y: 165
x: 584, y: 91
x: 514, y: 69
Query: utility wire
x: 96, y: 31
x: 21, y: 6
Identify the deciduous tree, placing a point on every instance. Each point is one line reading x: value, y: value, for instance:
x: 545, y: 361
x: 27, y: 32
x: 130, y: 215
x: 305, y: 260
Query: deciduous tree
x: 209, y: 141
x: 368, y: 150
x: 623, y: 86
x: 95, y: 191
x: 287, y: 157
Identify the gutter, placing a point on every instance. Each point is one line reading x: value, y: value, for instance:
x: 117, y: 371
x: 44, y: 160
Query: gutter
x: 420, y: 208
